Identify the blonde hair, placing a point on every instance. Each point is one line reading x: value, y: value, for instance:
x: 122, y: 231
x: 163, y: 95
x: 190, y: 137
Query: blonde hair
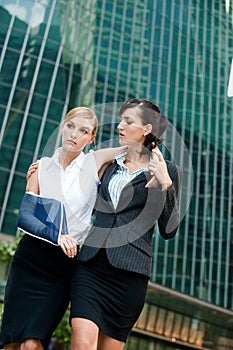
x: 83, y: 112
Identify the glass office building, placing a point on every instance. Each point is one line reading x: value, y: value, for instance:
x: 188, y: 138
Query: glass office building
x: 57, y: 54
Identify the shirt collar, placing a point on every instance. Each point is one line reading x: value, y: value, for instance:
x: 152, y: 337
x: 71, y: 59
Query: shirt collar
x: 120, y: 158
x: 76, y: 161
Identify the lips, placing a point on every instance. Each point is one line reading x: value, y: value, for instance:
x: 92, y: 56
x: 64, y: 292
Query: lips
x: 72, y: 142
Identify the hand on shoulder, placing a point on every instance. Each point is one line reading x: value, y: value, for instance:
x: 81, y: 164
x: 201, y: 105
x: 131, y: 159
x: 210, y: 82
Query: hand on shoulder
x: 32, y: 182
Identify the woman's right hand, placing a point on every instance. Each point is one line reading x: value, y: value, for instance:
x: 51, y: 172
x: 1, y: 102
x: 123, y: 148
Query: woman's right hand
x: 32, y: 168
x: 69, y: 245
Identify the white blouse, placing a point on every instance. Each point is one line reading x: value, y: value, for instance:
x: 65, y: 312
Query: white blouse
x: 75, y: 187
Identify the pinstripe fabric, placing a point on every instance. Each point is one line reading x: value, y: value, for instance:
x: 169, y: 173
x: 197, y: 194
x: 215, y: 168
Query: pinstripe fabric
x: 126, y: 231
x: 120, y: 178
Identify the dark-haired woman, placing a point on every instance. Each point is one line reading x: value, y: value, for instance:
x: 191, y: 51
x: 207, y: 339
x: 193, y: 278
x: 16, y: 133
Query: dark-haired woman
x: 111, y: 275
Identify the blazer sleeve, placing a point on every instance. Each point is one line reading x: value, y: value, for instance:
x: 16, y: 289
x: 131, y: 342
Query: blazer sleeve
x: 43, y: 218
x: 169, y: 219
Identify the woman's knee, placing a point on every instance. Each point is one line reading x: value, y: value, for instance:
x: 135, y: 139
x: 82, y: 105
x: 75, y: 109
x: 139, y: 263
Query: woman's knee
x: 12, y: 346
x: 84, y: 334
x: 31, y: 344
x: 82, y: 344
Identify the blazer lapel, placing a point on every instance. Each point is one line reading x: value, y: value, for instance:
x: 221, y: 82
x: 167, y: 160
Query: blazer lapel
x: 111, y: 169
x: 127, y: 192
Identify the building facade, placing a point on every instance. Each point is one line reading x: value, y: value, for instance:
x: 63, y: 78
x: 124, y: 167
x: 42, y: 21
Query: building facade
x: 57, y: 54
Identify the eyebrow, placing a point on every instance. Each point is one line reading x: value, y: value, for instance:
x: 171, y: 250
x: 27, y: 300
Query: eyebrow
x: 126, y: 117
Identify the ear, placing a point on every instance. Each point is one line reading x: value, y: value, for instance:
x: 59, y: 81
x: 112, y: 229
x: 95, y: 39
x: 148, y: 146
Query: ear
x: 147, y: 129
x: 92, y: 139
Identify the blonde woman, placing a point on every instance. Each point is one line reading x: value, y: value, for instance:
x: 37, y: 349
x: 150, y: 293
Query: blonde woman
x: 38, y: 287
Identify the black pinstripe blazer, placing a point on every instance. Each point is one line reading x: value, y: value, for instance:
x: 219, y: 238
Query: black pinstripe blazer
x: 126, y: 231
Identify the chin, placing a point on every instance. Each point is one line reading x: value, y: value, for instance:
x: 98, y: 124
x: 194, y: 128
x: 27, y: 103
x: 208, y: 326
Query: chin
x: 122, y: 142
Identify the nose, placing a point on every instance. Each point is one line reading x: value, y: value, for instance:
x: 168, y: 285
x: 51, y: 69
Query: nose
x: 120, y: 125
x: 73, y: 135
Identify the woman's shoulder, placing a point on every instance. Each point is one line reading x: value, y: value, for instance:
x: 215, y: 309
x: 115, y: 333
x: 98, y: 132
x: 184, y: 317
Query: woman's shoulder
x: 48, y: 160
x: 45, y: 162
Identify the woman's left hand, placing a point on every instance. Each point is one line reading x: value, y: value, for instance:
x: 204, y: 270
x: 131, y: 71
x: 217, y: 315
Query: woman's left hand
x: 158, y: 170
x: 69, y: 245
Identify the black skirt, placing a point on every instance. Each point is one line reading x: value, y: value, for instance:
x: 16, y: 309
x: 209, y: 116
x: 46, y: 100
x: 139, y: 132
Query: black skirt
x: 37, y: 292
x: 110, y: 297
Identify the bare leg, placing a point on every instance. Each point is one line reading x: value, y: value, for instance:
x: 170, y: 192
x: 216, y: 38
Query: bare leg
x: 107, y: 343
x: 31, y: 344
x: 84, y: 334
